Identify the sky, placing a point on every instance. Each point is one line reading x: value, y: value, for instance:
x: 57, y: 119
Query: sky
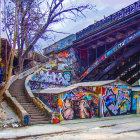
x: 103, y: 8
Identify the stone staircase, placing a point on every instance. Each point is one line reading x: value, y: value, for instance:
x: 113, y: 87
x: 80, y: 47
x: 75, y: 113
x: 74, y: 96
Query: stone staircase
x: 17, y: 91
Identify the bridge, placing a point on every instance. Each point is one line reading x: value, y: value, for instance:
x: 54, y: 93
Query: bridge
x: 110, y: 48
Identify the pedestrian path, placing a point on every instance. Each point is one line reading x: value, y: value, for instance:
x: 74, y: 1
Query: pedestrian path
x: 65, y: 126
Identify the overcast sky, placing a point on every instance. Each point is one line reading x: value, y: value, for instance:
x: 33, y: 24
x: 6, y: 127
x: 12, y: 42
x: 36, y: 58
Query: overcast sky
x: 103, y: 7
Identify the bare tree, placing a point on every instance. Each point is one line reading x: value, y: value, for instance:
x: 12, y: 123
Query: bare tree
x: 36, y: 19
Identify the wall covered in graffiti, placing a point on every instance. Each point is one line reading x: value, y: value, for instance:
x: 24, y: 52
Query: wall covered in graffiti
x: 115, y: 101
x: 69, y: 58
x: 47, y: 78
x: 78, y: 103
x: 51, y: 100
x: 135, y: 102
x: 60, y: 45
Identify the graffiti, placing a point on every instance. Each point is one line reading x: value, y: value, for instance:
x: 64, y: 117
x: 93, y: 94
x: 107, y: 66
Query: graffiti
x: 60, y: 45
x: 110, y: 52
x: 68, y: 57
x: 116, y: 102
x: 78, y: 103
x: 63, y: 54
x: 68, y: 112
x: 47, y: 78
x: 51, y: 100
x: 110, y: 19
x: 135, y: 102
x: 35, y: 85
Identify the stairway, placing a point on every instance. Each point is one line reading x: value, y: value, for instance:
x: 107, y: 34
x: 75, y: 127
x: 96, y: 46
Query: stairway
x: 17, y: 91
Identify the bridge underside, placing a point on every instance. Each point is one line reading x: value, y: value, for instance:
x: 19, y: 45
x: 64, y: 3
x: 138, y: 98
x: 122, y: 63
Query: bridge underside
x: 124, y: 65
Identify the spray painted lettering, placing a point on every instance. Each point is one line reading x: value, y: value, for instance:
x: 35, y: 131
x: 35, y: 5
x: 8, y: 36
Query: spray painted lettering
x: 116, y: 102
x: 44, y: 78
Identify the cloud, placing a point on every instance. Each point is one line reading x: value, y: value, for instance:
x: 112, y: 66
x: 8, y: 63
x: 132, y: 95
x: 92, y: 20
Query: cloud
x: 103, y: 7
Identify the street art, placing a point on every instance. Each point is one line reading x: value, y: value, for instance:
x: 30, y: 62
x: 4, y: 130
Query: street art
x: 60, y: 45
x: 51, y: 100
x: 78, y: 103
x: 116, y: 101
x: 135, y: 102
x: 110, y: 52
x: 110, y: 19
x: 68, y: 57
x: 47, y: 78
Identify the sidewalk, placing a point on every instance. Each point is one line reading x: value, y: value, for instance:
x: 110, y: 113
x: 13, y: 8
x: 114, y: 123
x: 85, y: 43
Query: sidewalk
x: 65, y: 126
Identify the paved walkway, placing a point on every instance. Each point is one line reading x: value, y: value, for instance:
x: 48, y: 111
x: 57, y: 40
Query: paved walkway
x: 68, y: 126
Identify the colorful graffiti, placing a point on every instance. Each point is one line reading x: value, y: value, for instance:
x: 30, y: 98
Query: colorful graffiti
x: 110, y: 52
x: 68, y: 57
x: 135, y: 102
x: 47, y: 78
x: 51, y: 100
x: 60, y: 45
x: 35, y: 85
x: 78, y: 103
x: 110, y: 19
x: 116, y: 101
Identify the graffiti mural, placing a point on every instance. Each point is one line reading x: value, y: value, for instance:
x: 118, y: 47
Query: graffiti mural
x: 135, y: 102
x: 48, y: 78
x: 78, y: 104
x: 68, y: 57
x: 60, y: 45
x: 116, y: 101
x: 51, y: 100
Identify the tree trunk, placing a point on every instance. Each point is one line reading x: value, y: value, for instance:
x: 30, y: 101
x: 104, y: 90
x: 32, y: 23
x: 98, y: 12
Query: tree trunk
x: 20, y: 64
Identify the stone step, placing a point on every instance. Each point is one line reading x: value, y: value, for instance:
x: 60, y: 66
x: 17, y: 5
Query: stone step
x: 33, y: 111
x: 38, y: 119
x: 39, y: 122
x: 17, y: 91
x: 36, y: 114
